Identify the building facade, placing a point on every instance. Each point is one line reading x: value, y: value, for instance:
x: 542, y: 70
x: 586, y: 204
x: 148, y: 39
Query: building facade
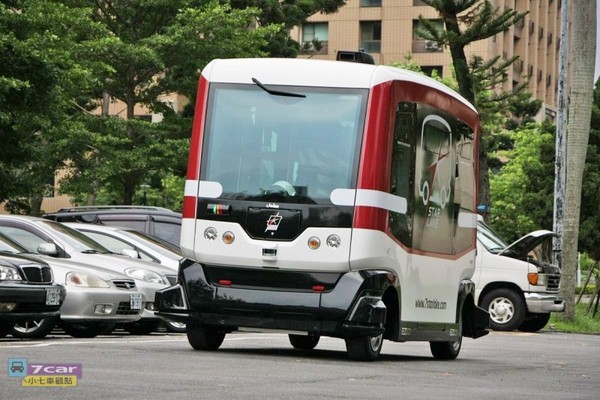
x: 386, y: 30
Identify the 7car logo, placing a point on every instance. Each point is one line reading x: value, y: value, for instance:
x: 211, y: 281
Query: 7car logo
x: 17, y: 367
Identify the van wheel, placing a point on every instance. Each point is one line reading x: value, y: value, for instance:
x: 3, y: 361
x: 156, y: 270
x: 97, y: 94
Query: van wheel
x: 364, y: 348
x: 506, y: 308
x: 535, y: 323
x: 304, y: 342
x: 34, y: 329
x: 202, y: 337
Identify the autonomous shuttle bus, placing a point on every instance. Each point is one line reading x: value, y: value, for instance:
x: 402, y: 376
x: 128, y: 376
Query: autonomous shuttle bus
x: 329, y: 198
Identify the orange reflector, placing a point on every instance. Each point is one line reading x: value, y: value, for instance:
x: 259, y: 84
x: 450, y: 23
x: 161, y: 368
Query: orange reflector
x: 532, y: 277
x: 224, y: 282
x: 318, y: 288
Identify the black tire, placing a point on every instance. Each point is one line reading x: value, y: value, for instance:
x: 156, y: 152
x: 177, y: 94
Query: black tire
x: 5, y: 328
x: 175, y: 327
x: 141, y: 327
x: 34, y: 329
x: 304, y: 342
x: 535, y: 323
x: 446, y: 350
x: 202, y: 337
x: 87, y: 330
x: 506, y: 308
x: 364, y: 348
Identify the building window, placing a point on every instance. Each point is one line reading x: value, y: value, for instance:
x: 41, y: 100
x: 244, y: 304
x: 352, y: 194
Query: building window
x: 370, y: 3
x: 318, y: 32
x: 370, y: 36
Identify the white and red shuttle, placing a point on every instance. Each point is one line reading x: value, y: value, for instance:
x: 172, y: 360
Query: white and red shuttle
x: 329, y: 198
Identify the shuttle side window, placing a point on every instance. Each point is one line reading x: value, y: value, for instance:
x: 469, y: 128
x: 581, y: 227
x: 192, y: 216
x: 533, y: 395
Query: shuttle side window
x: 402, y: 174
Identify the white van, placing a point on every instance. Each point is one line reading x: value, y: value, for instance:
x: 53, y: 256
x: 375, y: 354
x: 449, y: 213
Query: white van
x: 515, y: 283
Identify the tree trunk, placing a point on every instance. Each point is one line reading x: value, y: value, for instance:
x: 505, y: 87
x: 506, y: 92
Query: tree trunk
x: 36, y: 204
x: 578, y: 127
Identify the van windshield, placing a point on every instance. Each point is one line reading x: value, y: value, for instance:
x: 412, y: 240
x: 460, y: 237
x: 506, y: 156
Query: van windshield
x: 266, y: 147
x: 490, y: 239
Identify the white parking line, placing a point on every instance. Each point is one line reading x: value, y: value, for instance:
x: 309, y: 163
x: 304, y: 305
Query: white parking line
x: 182, y: 338
x: 100, y: 341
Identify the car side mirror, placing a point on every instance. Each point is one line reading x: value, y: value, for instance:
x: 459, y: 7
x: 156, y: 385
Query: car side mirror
x: 48, y: 249
x: 131, y: 253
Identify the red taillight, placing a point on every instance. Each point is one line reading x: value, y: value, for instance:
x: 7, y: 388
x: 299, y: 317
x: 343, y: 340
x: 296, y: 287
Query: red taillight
x: 224, y: 282
x: 318, y: 288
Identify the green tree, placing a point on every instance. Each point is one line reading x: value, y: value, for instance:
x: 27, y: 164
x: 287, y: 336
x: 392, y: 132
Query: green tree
x: 156, y: 47
x: 522, y: 190
x: 466, y: 22
x: 287, y: 14
x: 42, y: 47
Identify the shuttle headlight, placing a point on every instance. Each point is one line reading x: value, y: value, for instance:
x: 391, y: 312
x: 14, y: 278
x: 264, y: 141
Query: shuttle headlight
x: 334, y: 241
x: 210, y: 233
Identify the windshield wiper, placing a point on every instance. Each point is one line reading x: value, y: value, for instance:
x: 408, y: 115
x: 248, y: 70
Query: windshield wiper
x: 276, y: 92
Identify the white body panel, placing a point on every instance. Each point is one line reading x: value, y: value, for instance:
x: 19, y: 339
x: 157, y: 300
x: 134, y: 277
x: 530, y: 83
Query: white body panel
x: 426, y: 294
x: 293, y: 255
x: 323, y: 73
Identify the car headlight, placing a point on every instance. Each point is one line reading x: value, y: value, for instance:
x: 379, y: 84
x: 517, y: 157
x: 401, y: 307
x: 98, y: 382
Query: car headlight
x: 9, y: 274
x: 85, y: 280
x: 144, y: 275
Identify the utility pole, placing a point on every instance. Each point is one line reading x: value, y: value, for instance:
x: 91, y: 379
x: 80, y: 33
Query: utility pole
x: 561, y: 133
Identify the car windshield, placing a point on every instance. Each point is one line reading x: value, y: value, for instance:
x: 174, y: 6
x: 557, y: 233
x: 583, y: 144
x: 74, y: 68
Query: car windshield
x: 7, y: 245
x: 160, y: 245
x: 267, y: 147
x: 77, y: 240
x: 490, y: 239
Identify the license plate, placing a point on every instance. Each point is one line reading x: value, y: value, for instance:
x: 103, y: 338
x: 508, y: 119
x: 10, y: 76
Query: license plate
x: 52, y: 297
x: 135, y: 301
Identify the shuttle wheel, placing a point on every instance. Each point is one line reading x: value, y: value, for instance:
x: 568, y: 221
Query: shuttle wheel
x: 364, y: 348
x: 304, y: 342
x: 202, y: 337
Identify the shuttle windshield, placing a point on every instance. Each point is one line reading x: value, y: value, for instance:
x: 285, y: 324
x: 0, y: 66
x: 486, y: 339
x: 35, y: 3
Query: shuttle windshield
x: 263, y: 146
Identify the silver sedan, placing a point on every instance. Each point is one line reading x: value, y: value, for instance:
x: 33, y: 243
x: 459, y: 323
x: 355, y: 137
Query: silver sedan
x: 96, y: 299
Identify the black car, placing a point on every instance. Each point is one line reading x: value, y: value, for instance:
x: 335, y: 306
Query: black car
x: 155, y: 221
x: 27, y: 291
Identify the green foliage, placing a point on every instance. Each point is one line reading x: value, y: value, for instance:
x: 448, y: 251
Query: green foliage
x: 522, y: 192
x: 583, y: 322
x: 156, y: 48
x: 42, y: 71
x: 465, y: 22
x: 287, y: 14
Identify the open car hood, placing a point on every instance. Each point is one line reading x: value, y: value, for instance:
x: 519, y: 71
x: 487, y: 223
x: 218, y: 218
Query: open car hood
x: 524, y: 245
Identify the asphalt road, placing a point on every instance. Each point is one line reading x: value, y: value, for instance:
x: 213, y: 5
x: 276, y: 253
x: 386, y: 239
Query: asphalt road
x: 545, y: 365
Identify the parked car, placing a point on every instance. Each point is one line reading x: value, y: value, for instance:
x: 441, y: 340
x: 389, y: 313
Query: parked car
x: 155, y: 221
x: 133, y: 243
x: 27, y: 291
x: 516, y: 283
x: 96, y: 298
x: 54, y: 239
x: 137, y: 245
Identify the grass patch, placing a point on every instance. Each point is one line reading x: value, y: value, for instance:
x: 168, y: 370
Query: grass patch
x: 582, y: 324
